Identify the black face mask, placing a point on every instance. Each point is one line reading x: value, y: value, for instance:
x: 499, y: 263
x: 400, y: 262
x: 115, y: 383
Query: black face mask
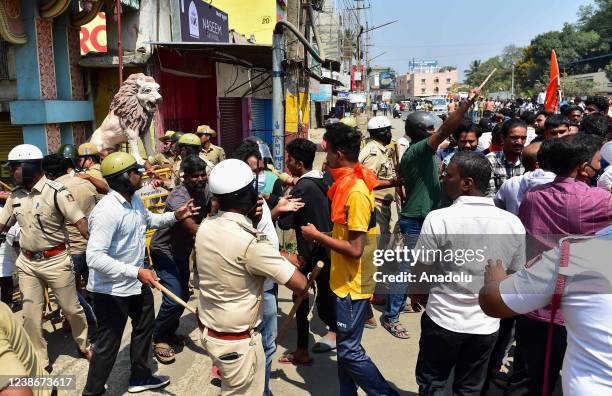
x: 30, y: 171
x: 121, y: 183
x: 196, y: 186
x: 382, y: 135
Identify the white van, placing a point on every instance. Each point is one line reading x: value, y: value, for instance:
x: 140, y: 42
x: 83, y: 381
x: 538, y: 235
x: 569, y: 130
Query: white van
x: 440, y: 106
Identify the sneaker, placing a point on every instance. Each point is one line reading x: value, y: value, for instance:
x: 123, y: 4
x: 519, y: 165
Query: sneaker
x: 152, y: 382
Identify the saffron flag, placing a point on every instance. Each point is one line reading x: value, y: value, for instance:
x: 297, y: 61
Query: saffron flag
x: 552, y: 99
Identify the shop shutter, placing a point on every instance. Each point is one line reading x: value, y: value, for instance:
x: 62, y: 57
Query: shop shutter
x: 261, y: 117
x: 10, y: 136
x: 230, y: 110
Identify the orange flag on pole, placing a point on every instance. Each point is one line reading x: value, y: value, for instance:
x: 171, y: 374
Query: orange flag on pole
x: 552, y: 99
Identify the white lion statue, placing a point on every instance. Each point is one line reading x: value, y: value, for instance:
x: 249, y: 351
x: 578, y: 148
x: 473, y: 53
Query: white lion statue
x: 129, y: 117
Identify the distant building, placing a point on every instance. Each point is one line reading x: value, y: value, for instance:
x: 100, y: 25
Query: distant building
x: 426, y: 82
x: 601, y: 84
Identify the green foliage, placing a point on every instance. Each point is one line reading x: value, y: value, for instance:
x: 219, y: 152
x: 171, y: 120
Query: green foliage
x: 570, y: 87
x: 589, y: 37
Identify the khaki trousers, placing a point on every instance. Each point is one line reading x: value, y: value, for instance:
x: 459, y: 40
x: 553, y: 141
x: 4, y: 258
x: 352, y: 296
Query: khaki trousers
x: 244, y: 375
x: 56, y: 273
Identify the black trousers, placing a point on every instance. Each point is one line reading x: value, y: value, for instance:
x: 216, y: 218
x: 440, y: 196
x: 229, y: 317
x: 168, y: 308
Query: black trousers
x: 505, y: 338
x: 528, y: 376
x: 324, y: 302
x: 112, y: 313
x: 6, y: 290
x: 443, y: 351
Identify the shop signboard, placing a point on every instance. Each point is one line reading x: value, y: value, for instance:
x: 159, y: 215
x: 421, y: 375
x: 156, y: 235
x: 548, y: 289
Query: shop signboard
x: 203, y: 23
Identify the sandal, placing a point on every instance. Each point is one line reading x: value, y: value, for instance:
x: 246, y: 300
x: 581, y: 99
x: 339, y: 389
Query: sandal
x: 370, y: 324
x: 163, y: 353
x: 396, y: 329
x: 289, y: 358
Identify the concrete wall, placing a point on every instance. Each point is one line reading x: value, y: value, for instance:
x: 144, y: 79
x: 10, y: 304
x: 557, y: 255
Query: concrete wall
x: 601, y: 84
x: 141, y: 26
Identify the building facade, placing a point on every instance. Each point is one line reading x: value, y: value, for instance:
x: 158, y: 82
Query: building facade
x: 426, y: 83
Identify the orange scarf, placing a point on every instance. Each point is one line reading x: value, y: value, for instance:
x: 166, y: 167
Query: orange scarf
x: 345, y: 179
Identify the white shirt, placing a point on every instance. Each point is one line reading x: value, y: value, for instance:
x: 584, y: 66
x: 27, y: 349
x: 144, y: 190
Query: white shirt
x: 117, y: 241
x: 605, y: 180
x: 266, y: 226
x: 531, y: 134
x: 484, y: 141
x: 402, y: 145
x: 7, y: 251
x: 469, y: 223
x: 586, y: 305
x: 512, y: 192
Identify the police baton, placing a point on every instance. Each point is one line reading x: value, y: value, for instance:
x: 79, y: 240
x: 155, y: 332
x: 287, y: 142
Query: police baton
x: 298, y: 301
x: 174, y: 297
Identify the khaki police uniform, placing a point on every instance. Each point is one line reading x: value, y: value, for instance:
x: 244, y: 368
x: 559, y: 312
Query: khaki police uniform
x: 94, y: 171
x: 85, y: 195
x: 376, y: 157
x: 161, y: 159
x: 17, y: 356
x: 44, y: 260
x: 230, y: 279
x: 214, y: 154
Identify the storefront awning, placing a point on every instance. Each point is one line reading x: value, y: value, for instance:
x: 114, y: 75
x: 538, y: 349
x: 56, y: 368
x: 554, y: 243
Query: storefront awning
x: 257, y: 56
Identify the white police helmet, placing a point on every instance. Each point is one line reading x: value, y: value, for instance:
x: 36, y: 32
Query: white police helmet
x: 378, y: 122
x: 229, y: 176
x: 25, y: 152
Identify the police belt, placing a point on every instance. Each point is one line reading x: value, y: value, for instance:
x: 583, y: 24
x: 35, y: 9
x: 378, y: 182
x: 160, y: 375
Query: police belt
x: 45, y: 253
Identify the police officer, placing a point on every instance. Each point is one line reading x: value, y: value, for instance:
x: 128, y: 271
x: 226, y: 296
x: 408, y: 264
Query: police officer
x: 69, y: 152
x: 188, y: 144
x: 212, y: 153
x: 230, y: 279
x: 89, y: 161
x: 165, y: 157
x: 375, y: 156
x: 41, y: 207
x: 58, y: 169
x: 119, y: 284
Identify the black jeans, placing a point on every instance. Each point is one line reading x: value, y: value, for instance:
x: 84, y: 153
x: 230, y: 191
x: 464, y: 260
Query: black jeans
x: 528, y: 376
x: 505, y: 338
x: 442, y: 351
x: 6, y: 290
x: 112, y: 313
x: 325, y: 304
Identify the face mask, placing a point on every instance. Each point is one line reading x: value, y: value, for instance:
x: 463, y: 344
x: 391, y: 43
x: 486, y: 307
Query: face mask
x: 260, y: 181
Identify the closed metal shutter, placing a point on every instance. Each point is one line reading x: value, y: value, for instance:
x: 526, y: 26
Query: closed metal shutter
x: 230, y: 110
x: 261, y: 117
x: 10, y: 136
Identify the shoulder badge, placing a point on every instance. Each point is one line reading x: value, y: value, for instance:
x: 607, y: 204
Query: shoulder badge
x: 373, y: 150
x: 56, y: 185
x: 258, y: 235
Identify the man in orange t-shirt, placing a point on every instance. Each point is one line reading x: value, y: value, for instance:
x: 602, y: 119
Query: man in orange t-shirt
x: 352, y: 242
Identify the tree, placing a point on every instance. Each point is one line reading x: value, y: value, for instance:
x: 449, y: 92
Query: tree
x: 472, y: 71
x: 596, y: 17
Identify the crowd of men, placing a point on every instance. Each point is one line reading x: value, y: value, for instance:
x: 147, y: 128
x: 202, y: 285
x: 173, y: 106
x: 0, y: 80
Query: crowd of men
x: 535, y: 187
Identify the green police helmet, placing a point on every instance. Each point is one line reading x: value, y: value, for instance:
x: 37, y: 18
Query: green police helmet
x: 117, y: 163
x: 189, y: 139
x: 68, y: 151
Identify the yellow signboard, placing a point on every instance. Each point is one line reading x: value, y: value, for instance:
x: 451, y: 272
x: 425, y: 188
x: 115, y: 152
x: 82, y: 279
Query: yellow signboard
x: 256, y: 19
x: 296, y: 112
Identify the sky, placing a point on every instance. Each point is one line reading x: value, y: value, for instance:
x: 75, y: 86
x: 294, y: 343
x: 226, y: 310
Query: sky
x: 455, y: 32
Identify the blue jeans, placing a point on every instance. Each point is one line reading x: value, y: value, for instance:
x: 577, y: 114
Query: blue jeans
x: 410, y: 228
x: 173, y: 273
x: 79, y: 263
x: 268, y: 331
x: 355, y: 368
